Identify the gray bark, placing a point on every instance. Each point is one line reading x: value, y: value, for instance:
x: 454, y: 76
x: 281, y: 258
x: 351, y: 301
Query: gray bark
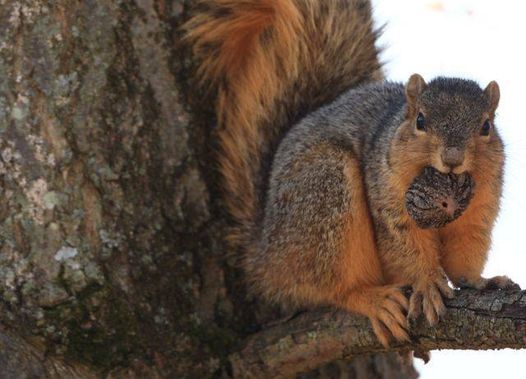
x: 475, y: 320
x: 108, y: 245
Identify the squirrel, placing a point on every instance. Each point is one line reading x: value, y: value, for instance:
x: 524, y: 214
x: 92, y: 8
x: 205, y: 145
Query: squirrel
x: 317, y: 150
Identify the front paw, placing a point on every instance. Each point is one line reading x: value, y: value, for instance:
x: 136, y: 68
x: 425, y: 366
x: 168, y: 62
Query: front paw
x: 427, y: 297
x: 497, y: 282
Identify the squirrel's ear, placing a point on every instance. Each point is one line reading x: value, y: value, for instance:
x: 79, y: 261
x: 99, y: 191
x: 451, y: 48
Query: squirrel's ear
x: 492, y: 91
x: 414, y: 88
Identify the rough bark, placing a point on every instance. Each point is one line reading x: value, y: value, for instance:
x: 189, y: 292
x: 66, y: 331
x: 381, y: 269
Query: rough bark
x: 109, y: 245
x: 475, y: 320
x: 111, y: 260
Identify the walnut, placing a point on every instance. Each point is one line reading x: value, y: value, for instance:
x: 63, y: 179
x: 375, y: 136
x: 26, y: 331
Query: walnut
x: 435, y: 199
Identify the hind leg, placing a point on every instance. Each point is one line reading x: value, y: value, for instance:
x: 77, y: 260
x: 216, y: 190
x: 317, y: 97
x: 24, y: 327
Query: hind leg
x: 319, y: 244
x: 365, y: 292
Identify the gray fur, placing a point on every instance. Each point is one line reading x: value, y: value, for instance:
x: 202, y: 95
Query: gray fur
x: 308, y: 198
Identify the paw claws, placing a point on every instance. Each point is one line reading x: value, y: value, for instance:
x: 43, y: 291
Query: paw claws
x: 427, y: 298
x: 424, y: 355
x: 388, y: 319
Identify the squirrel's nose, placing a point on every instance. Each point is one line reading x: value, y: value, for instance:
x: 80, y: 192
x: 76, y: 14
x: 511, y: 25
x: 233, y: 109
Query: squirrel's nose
x: 452, y: 157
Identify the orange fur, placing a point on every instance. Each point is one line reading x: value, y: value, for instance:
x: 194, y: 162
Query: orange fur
x: 466, y: 241
x: 360, y: 288
x: 360, y: 265
x: 266, y: 62
x: 247, y: 79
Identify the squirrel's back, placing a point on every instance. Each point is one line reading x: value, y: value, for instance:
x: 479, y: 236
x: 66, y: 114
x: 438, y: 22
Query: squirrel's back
x: 267, y: 63
x: 355, y: 119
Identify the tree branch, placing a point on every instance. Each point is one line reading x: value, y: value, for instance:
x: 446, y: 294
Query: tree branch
x: 475, y: 320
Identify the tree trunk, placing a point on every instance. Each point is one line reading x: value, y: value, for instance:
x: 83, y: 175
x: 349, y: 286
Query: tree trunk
x: 111, y: 255
x: 110, y: 250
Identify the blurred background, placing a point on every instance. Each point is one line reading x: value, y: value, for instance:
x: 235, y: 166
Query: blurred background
x: 479, y: 40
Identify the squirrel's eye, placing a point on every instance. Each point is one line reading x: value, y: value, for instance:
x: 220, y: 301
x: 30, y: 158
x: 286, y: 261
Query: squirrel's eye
x: 421, y: 122
x: 486, y: 127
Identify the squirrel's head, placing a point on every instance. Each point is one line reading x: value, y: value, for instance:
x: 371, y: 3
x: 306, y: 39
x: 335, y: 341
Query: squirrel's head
x: 449, y: 125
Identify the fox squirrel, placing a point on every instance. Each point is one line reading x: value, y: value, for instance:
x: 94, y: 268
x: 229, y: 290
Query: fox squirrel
x: 317, y: 152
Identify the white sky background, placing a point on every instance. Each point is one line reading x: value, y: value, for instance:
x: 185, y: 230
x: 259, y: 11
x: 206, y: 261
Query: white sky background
x: 480, y: 40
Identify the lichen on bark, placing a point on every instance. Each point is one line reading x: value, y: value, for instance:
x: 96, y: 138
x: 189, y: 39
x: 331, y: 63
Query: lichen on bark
x: 101, y: 192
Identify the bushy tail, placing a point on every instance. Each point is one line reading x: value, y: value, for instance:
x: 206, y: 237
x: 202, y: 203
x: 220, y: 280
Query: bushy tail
x: 268, y: 63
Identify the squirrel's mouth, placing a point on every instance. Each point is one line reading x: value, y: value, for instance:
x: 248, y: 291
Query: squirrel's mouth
x: 434, y: 199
